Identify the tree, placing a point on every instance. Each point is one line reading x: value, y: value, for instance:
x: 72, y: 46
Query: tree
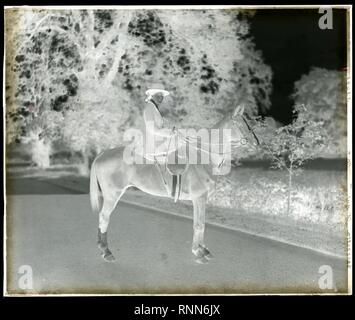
x: 200, y: 56
x: 289, y: 147
x: 86, y: 63
x: 42, y: 70
x: 57, y: 63
x: 97, y: 130
x: 43, y: 66
x: 325, y: 94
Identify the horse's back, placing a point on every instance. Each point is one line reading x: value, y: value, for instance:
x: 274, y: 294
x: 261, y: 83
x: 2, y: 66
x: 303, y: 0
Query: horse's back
x: 110, y: 155
x: 110, y: 162
x: 114, y: 172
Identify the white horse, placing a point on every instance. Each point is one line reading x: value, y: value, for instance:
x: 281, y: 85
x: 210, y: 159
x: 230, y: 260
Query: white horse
x: 112, y: 175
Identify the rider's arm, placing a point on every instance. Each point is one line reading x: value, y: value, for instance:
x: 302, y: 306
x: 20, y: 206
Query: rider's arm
x: 167, y: 133
x: 154, y: 124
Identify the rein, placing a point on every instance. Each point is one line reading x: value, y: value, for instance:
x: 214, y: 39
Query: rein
x: 187, y: 140
x: 192, y: 140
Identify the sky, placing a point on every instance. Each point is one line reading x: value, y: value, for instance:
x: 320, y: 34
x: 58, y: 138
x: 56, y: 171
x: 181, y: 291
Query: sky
x: 292, y: 43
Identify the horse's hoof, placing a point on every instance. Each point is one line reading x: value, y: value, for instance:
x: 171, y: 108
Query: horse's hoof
x: 108, y: 256
x: 201, y: 260
x: 207, y: 254
x: 198, y: 253
x: 101, y: 247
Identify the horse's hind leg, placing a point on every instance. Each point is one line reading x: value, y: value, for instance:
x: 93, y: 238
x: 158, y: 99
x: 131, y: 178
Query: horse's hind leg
x: 104, y: 220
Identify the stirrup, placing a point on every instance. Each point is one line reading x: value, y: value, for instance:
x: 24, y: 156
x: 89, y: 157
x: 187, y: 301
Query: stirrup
x: 161, y: 174
x: 176, y: 187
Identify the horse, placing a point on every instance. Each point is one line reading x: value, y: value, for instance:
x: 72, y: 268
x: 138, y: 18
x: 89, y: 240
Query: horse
x: 111, y: 176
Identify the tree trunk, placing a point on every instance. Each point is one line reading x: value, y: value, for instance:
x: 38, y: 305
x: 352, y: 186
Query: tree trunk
x: 290, y: 173
x: 41, y: 151
x: 83, y: 167
x: 120, y: 48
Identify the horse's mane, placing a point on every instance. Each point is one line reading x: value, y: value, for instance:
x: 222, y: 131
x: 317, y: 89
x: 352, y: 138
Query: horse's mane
x: 221, y: 123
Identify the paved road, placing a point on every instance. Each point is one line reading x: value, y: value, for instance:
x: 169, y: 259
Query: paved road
x: 36, y: 186
x: 55, y: 234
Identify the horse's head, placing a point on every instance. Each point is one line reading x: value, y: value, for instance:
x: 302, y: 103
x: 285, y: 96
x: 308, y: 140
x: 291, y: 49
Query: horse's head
x: 242, y: 133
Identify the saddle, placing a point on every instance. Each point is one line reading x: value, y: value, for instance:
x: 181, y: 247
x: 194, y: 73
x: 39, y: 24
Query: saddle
x: 175, y: 165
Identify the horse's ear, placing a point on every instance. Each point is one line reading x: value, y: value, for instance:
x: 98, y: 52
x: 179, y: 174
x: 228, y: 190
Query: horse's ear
x: 238, y: 111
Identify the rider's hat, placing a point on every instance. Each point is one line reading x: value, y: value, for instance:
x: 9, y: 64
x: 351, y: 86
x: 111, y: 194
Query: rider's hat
x: 154, y: 90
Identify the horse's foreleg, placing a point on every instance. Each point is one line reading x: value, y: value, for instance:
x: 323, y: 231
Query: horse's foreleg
x: 198, y: 245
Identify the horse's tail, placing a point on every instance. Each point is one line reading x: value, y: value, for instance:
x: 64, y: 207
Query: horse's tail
x: 94, y: 189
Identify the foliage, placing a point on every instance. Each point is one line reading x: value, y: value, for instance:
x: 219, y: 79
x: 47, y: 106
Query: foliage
x: 289, y: 147
x: 43, y: 68
x: 318, y: 196
x: 77, y: 68
x: 177, y: 48
x: 294, y: 144
x: 100, y: 131
x: 324, y: 93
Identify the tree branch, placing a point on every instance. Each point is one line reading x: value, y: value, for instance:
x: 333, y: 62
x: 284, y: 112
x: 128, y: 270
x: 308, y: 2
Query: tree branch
x: 120, y: 49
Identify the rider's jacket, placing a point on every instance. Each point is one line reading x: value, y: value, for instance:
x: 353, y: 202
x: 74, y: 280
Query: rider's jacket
x: 157, y: 133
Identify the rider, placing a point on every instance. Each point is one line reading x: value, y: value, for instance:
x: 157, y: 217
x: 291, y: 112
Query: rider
x: 158, y: 134
x: 160, y: 141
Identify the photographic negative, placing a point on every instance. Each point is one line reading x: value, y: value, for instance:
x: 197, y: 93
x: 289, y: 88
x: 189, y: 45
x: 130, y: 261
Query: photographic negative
x: 177, y: 150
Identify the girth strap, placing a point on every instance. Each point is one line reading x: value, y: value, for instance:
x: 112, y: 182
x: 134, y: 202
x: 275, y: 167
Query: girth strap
x: 161, y: 175
x: 176, y: 187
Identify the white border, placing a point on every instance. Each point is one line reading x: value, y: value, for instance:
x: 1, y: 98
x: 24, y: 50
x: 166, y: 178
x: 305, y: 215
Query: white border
x: 350, y: 150
x: 4, y: 165
x: 167, y: 7
x: 175, y: 7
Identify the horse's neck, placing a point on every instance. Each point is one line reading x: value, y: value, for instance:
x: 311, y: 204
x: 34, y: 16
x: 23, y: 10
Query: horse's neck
x: 225, y: 123
x: 222, y: 124
x: 224, y: 139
